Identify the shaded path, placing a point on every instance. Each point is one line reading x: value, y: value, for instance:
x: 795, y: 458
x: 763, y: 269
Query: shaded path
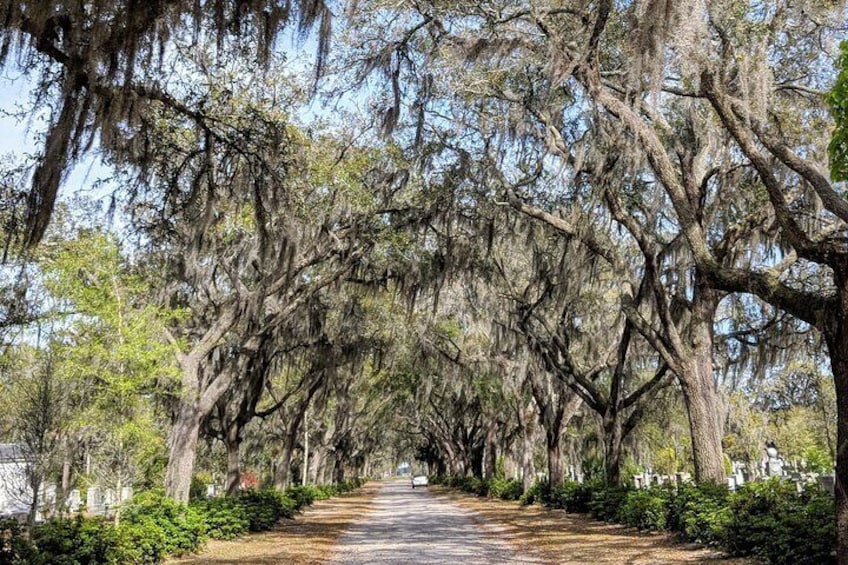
x: 408, y: 525
x: 388, y: 522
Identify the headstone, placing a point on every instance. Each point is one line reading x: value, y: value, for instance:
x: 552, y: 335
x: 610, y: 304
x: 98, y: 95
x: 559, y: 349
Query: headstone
x: 731, y: 483
x: 211, y: 491
x: 774, y: 464
x: 126, y: 494
x: 94, y: 500
x: 827, y: 483
x: 74, y: 501
x: 637, y: 482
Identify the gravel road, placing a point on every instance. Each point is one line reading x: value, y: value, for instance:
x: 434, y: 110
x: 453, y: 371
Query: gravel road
x: 412, y: 526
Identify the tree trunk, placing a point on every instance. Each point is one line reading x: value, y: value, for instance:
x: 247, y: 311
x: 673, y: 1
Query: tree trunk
x: 233, y: 460
x: 555, y: 471
x: 612, y: 448
x: 35, y: 485
x: 836, y: 335
x: 528, y: 470
x: 491, y: 461
x: 705, y: 428
x: 839, y: 362
x: 338, y: 470
x: 182, y: 451
x: 699, y: 389
x: 283, y: 475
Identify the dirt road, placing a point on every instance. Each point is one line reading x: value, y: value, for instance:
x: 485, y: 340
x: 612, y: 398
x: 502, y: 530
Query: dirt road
x: 408, y: 525
x: 389, y: 522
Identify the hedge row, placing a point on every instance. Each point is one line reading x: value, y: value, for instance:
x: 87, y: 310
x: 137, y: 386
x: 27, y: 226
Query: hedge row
x: 769, y: 520
x: 505, y: 489
x: 152, y: 527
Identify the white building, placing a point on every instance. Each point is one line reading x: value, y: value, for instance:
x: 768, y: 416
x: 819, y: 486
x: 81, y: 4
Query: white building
x: 15, y: 492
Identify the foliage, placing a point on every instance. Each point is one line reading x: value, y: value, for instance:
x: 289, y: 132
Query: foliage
x: 302, y: 495
x: 79, y: 541
x: 606, y: 503
x: 774, y: 522
x: 533, y: 494
x: 225, y: 517
x: 837, y: 99
x: 15, y: 548
x: 264, y: 508
x: 161, y: 526
x: 506, y: 489
x: 572, y: 496
x: 646, y: 509
x: 699, y: 512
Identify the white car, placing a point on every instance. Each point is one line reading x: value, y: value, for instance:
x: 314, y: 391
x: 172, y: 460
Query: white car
x: 419, y: 481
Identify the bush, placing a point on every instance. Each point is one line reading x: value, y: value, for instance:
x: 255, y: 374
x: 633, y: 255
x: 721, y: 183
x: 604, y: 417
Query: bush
x: 773, y: 522
x: 302, y: 495
x: 264, y: 508
x: 15, y: 548
x: 159, y: 526
x: 605, y: 503
x: 78, y: 541
x: 534, y: 494
x: 699, y: 512
x: 646, y: 509
x: 225, y: 518
x: 506, y: 489
x: 571, y: 496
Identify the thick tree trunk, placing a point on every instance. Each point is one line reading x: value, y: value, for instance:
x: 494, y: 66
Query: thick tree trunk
x: 339, y: 470
x: 182, y: 451
x: 556, y: 474
x: 476, y: 462
x: 836, y: 334
x: 699, y: 389
x: 233, y: 442
x: 528, y: 470
x: 612, y: 448
x: 839, y: 362
x: 491, y: 457
x: 281, y: 479
x: 705, y: 427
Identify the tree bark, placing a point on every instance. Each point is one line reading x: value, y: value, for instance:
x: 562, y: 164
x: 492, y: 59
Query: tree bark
x: 528, y: 470
x: 836, y: 335
x: 491, y: 460
x: 338, y: 470
x: 556, y: 474
x: 699, y: 389
x: 182, y: 451
x: 233, y: 460
x: 612, y: 448
x: 282, y: 477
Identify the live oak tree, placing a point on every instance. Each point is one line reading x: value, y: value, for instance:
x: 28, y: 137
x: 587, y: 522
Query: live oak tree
x: 99, y: 67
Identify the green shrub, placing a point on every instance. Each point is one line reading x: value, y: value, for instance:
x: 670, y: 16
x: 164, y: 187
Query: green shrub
x: 773, y: 522
x: 15, y: 548
x: 605, y: 503
x: 505, y: 489
x: 303, y: 496
x: 162, y: 526
x: 572, y: 496
x: 78, y: 541
x: 264, y: 508
x: 474, y: 485
x: 225, y: 518
x: 699, y: 512
x: 646, y: 509
x: 534, y: 494
x: 197, y: 489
